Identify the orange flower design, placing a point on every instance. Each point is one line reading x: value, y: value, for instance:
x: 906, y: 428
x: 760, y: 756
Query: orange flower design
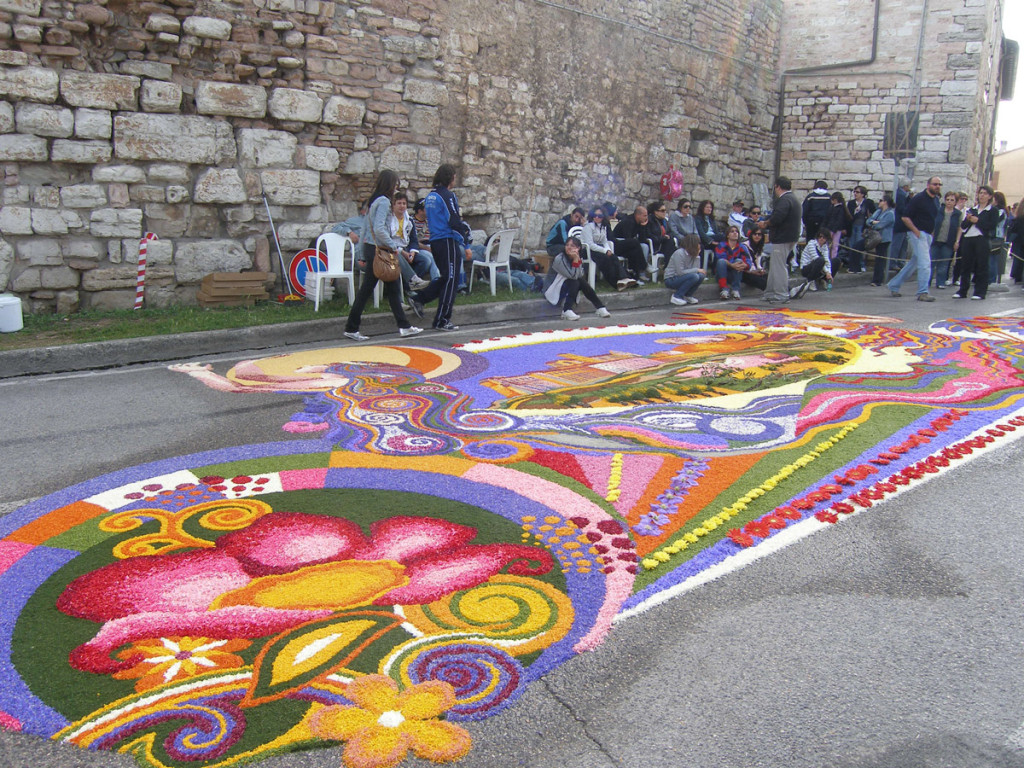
x: 386, y: 723
x: 162, y: 660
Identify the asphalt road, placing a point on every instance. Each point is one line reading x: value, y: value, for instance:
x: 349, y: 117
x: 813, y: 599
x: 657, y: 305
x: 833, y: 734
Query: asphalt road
x: 891, y: 640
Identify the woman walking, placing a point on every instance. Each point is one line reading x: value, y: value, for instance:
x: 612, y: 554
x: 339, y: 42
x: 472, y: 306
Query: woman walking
x: 449, y: 244
x: 376, y: 233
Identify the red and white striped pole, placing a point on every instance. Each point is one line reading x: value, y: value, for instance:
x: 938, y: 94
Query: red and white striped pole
x: 140, y: 283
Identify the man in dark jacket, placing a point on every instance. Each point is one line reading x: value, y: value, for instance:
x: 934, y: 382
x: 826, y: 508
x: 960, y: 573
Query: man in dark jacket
x: 629, y: 234
x: 815, y: 209
x: 919, y: 219
x: 784, y: 229
x: 559, y: 233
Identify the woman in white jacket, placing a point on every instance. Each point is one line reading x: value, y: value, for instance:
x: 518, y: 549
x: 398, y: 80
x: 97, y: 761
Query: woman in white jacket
x: 595, y: 236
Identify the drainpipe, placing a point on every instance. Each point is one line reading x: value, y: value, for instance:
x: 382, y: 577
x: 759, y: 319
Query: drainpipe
x: 818, y: 70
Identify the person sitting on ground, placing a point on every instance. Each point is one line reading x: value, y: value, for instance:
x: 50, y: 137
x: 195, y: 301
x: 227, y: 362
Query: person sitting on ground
x: 595, y: 236
x: 559, y: 233
x: 815, y: 264
x: 567, y: 279
x: 417, y: 266
x: 757, y: 275
x: 732, y: 259
x: 683, y: 273
x: 681, y: 222
x: 628, y: 236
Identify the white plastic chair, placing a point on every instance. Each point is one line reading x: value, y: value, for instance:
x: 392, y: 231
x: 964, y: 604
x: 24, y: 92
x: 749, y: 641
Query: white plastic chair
x: 497, y: 253
x: 586, y: 257
x: 339, y: 266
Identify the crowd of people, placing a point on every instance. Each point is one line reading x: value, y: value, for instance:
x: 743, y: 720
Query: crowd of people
x: 941, y: 238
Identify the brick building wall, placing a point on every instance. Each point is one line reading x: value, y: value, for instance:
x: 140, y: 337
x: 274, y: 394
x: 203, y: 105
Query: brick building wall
x: 122, y: 117
x: 948, y: 70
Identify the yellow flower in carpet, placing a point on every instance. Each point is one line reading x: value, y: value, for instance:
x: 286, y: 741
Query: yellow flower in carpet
x: 161, y: 660
x: 386, y: 723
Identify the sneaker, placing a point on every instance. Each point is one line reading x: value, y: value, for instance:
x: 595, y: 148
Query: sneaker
x: 800, y: 290
x: 941, y: 287
x: 678, y: 301
x: 959, y: 296
x: 977, y: 298
x: 639, y: 283
x: 691, y: 300
x: 895, y: 294
x: 812, y: 285
x: 356, y: 336
x: 723, y: 295
x: 418, y: 284
x: 925, y: 297
x: 603, y: 312
x: 412, y: 330
x: 570, y: 315
x: 446, y: 327
x: 623, y: 284
x: 631, y: 283
x: 416, y: 307
x: 735, y: 295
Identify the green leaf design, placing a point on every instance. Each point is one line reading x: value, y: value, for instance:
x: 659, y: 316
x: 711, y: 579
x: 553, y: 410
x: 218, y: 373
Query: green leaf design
x: 314, y: 650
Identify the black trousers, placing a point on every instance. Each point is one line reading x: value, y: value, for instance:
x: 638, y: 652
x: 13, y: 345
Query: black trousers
x: 392, y: 290
x: 973, y: 262
x: 572, y: 288
x: 447, y: 256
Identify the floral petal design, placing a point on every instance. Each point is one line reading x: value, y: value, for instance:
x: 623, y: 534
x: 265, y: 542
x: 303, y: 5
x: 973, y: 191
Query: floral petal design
x: 340, y: 723
x: 284, y: 541
x: 376, y: 747
x: 375, y: 693
x: 437, y: 740
x: 161, y: 583
x: 333, y: 586
x: 404, y: 538
x: 426, y: 700
x: 430, y: 578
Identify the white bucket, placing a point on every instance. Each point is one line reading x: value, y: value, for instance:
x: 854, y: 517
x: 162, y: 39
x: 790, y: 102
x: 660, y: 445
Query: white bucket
x: 10, y: 313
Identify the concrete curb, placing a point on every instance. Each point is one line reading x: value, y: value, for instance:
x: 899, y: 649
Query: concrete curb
x: 154, y: 349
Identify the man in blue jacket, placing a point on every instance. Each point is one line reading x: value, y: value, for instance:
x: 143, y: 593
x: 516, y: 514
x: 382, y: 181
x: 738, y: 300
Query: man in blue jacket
x: 919, y: 219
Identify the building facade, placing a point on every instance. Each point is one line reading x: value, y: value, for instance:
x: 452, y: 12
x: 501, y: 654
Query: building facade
x: 194, y: 119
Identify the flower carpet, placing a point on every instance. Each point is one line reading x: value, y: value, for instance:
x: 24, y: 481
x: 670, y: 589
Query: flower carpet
x: 437, y: 529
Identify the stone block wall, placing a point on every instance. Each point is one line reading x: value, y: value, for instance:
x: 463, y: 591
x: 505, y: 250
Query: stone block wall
x: 120, y: 117
x: 833, y: 122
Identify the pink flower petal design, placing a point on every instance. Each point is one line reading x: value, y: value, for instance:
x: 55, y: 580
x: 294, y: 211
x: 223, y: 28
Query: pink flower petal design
x: 285, y: 541
x: 404, y: 538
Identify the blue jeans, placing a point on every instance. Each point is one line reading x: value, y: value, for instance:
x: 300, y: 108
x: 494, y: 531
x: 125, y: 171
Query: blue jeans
x: 732, y: 277
x: 920, y: 260
x: 684, y: 285
x: 941, y: 255
x: 896, y: 250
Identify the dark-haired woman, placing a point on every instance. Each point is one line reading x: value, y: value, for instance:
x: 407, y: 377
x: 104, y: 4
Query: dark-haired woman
x: 376, y: 232
x: 708, y: 231
x: 979, y: 224
x: 449, y: 238
x: 837, y: 221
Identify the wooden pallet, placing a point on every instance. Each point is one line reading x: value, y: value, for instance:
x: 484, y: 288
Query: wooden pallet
x: 233, y: 289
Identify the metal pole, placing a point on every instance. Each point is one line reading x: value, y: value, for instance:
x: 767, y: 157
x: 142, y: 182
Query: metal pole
x: 280, y: 257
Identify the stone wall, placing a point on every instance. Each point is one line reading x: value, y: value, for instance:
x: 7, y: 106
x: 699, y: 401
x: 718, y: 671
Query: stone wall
x: 833, y: 125
x: 119, y: 117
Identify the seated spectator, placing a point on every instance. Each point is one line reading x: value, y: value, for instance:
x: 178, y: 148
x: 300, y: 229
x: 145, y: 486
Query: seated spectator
x: 683, y: 273
x: 559, y: 233
x: 417, y: 266
x: 750, y: 223
x: 595, y: 236
x: 708, y: 230
x: 681, y: 222
x: 757, y: 276
x: 657, y: 222
x: 815, y: 263
x: 566, y: 279
x: 738, y: 216
x: 732, y: 259
x: 629, y: 236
